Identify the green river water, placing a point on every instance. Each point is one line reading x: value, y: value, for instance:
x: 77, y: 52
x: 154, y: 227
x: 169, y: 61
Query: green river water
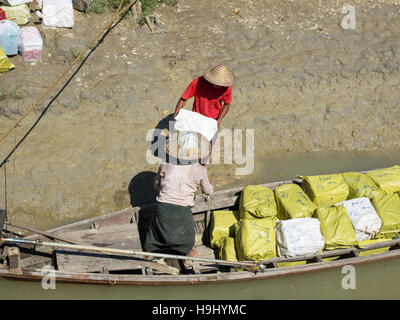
x: 379, y: 280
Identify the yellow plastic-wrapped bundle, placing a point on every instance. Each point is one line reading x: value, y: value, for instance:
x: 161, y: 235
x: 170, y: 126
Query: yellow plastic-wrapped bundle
x: 227, y: 251
x: 255, y: 239
x: 292, y: 202
x: 19, y: 14
x: 221, y: 225
x: 336, y: 227
x: 257, y: 202
x: 5, y: 63
x: 361, y: 185
x: 387, y: 179
x: 388, y: 209
x: 325, y: 190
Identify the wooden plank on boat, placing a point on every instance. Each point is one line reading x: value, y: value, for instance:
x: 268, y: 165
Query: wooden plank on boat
x: 216, y: 204
x: 36, y: 257
x: 208, y: 253
x: 75, y: 261
x: 43, y: 233
x: 119, y: 232
x: 111, y: 219
x: 127, y: 244
x: 35, y: 261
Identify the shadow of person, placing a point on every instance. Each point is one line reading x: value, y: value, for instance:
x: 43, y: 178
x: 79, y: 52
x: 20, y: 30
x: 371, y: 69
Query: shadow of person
x: 157, y: 146
x: 142, y: 192
x: 141, y: 189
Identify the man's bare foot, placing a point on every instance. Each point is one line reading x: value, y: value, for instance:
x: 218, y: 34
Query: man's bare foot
x: 193, y: 253
x: 147, y: 257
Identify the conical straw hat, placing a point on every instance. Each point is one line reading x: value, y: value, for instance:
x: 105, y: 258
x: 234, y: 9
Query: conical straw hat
x: 188, y: 145
x: 219, y: 75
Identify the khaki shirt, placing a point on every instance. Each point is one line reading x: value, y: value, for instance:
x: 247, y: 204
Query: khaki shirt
x: 178, y: 183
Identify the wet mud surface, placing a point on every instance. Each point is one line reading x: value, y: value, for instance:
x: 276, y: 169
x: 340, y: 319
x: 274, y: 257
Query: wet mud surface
x: 303, y: 83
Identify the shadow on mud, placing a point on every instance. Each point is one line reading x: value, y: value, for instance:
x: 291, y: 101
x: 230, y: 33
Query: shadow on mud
x: 141, y: 189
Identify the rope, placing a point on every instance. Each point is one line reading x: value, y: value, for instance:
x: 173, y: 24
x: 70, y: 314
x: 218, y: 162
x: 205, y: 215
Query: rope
x: 12, y: 198
x: 99, y: 38
x: 5, y: 194
x: 5, y: 188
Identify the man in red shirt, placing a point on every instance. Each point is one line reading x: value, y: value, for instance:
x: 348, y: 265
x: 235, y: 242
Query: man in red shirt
x: 212, y: 93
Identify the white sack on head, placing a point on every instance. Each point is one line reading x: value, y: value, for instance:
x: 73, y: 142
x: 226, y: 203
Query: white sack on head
x: 193, y: 121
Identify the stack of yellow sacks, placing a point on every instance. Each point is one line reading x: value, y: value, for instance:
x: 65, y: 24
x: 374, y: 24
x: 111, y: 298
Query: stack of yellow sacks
x: 381, y: 187
x: 249, y: 234
x: 387, y: 202
x: 255, y: 232
x: 325, y: 191
x: 222, y: 233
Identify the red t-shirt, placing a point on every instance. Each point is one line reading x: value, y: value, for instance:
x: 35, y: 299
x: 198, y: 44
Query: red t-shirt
x: 207, y: 98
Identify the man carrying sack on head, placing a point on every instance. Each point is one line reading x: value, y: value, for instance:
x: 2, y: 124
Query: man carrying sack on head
x: 172, y: 227
x: 212, y: 93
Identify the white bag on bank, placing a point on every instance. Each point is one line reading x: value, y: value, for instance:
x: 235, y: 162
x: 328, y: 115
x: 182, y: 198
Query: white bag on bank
x: 30, y: 43
x: 298, y: 236
x: 363, y: 216
x: 9, y: 36
x: 57, y: 13
x: 15, y: 2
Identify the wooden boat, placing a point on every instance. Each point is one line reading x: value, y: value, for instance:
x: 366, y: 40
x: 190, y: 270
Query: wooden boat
x: 124, y: 230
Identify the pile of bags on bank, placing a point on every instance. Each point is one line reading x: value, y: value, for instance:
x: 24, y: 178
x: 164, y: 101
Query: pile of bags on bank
x: 323, y: 212
x: 54, y: 13
x: 27, y: 40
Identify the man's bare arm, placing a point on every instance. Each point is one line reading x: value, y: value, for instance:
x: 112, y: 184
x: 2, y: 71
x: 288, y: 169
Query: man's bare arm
x: 181, y: 103
x: 222, y: 113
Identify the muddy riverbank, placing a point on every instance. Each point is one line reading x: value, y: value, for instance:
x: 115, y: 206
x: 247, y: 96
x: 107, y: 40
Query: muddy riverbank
x: 303, y: 83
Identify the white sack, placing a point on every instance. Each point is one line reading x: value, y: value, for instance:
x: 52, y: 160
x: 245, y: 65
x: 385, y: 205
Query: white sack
x: 299, y: 236
x: 30, y: 43
x: 13, y: 3
x: 9, y: 36
x: 363, y: 216
x: 193, y: 121
x: 57, y: 13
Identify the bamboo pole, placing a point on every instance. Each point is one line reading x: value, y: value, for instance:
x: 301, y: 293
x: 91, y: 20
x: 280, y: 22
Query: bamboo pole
x: 43, y: 233
x: 247, y: 264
